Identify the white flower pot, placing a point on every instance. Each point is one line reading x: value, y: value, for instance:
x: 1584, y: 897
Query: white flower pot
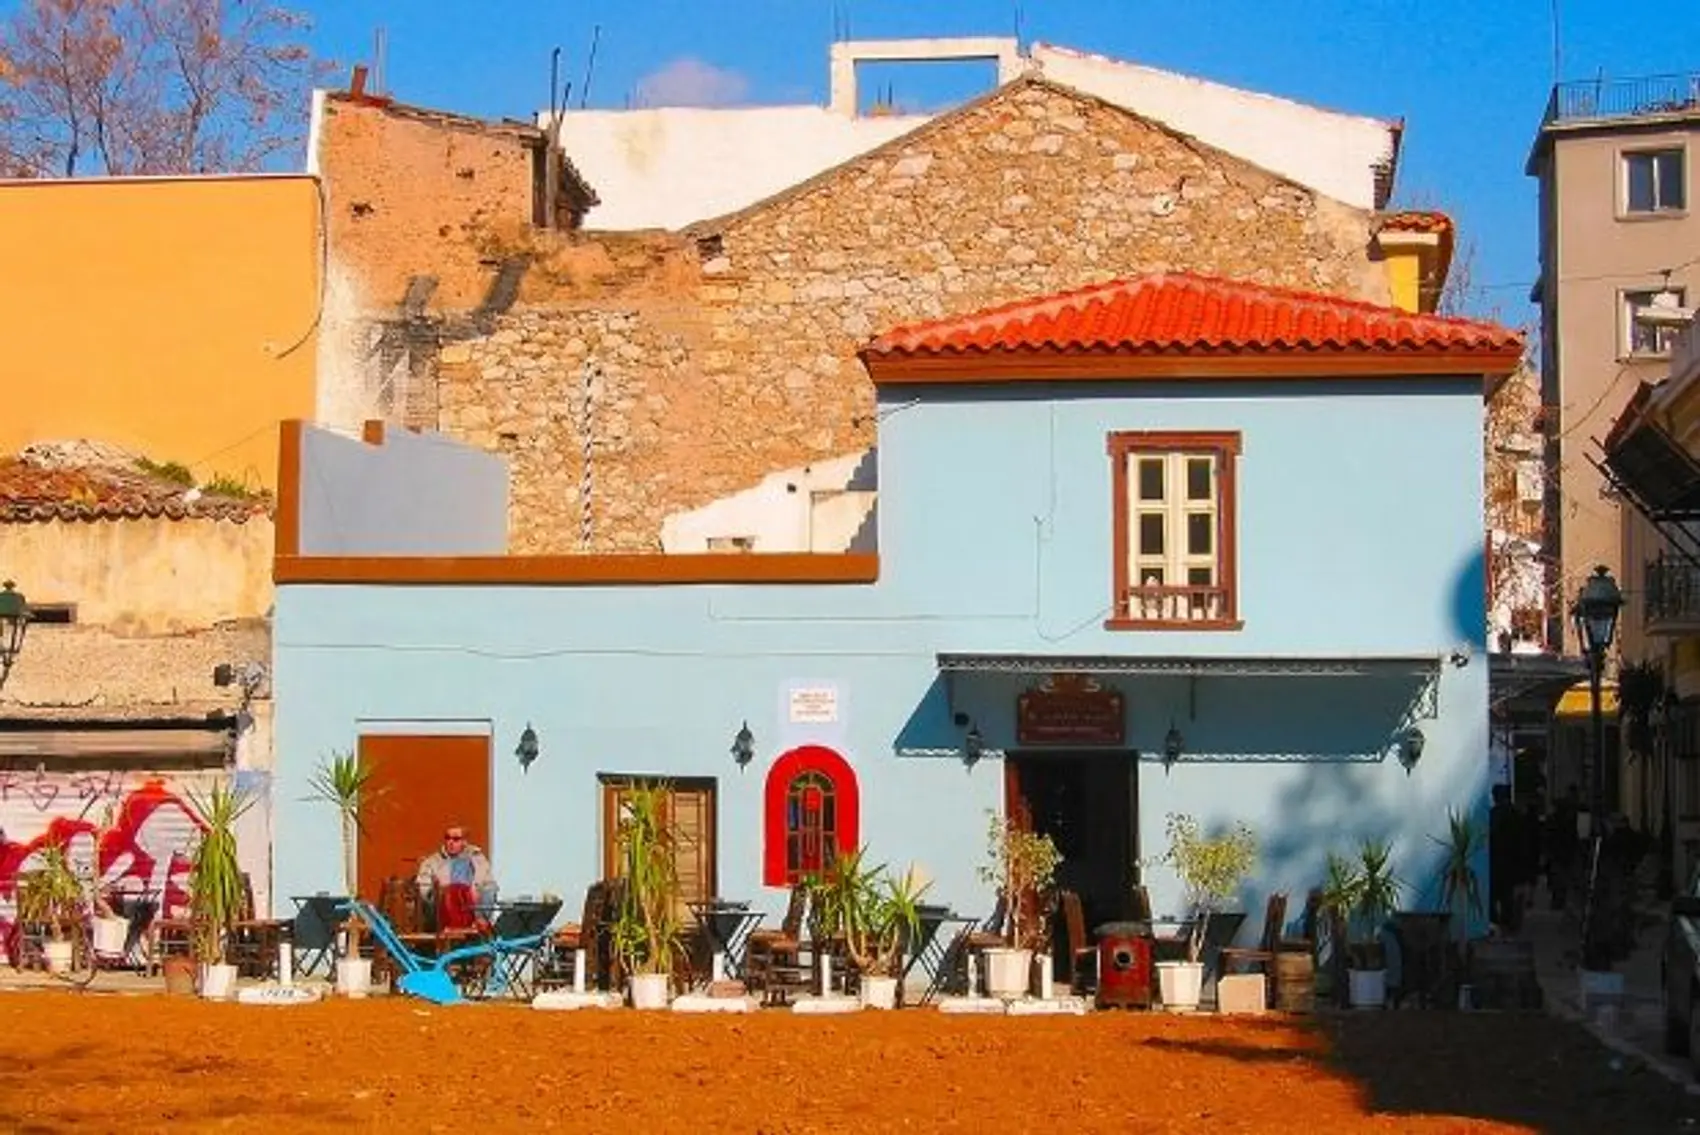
x: 354, y: 977
x: 1009, y: 973
x: 58, y: 956
x: 1368, y: 988
x: 218, y: 982
x: 879, y: 993
x: 649, y: 990
x: 109, y: 936
x: 1180, y: 984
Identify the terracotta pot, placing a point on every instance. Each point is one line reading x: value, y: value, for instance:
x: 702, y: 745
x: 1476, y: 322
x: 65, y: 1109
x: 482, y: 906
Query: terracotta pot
x: 179, y: 973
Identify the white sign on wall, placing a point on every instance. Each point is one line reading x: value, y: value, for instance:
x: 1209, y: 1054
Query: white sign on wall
x: 814, y: 705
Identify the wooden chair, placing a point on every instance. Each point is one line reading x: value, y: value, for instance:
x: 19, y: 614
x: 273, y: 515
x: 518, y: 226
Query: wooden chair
x: 1081, y: 950
x: 575, y: 936
x: 1263, y: 955
x: 773, y: 957
x: 400, y: 902
x: 253, y: 942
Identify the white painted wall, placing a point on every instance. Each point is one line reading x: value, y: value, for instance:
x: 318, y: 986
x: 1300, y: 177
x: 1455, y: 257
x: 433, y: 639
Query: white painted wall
x: 1330, y: 152
x: 809, y: 509
x: 667, y: 167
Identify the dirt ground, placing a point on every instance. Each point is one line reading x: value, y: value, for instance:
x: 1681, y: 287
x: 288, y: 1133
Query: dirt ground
x: 92, y: 1063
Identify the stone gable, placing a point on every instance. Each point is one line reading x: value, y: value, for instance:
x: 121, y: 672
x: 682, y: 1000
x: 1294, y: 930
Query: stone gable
x: 694, y: 363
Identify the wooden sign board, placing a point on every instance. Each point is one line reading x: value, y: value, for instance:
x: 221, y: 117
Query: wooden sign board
x: 1070, y: 709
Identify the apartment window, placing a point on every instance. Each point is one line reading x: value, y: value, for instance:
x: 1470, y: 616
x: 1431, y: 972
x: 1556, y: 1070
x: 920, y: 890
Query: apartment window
x: 1653, y: 181
x: 1642, y: 336
x: 812, y: 815
x: 1174, y: 531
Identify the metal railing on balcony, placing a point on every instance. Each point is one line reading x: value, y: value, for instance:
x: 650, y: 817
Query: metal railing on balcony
x: 1605, y: 99
x: 1672, y: 591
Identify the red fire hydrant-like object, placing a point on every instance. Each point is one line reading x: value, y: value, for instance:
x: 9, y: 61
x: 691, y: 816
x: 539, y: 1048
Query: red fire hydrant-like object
x: 1124, y: 965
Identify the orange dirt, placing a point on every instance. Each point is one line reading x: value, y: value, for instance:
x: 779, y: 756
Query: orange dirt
x: 103, y: 1063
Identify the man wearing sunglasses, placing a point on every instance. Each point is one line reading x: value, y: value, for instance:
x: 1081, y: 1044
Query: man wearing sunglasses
x: 456, y: 879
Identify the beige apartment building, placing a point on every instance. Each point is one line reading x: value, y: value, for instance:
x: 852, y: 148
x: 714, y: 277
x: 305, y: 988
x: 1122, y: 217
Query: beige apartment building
x: 1616, y: 160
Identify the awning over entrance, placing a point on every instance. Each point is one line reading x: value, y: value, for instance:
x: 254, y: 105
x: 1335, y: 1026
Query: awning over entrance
x: 1578, y: 701
x: 1532, y: 682
x: 1272, y: 666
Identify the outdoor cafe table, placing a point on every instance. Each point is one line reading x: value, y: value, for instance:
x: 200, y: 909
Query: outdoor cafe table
x: 933, y: 950
x: 523, y: 917
x: 728, y: 926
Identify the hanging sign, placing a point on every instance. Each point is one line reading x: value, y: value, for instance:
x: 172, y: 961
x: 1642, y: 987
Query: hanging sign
x: 1070, y: 709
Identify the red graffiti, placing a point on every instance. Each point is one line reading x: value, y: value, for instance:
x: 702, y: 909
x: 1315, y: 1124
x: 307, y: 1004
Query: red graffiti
x: 145, y: 850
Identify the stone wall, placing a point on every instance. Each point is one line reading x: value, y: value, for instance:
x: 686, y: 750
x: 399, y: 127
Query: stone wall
x: 94, y: 673
x: 697, y: 362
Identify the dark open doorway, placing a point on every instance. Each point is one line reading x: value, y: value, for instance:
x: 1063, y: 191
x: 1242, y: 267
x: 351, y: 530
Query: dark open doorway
x: 1088, y: 803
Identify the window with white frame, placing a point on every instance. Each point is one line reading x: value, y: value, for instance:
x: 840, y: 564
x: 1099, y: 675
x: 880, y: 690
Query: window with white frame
x: 1174, y: 525
x: 1644, y: 336
x: 1654, y: 181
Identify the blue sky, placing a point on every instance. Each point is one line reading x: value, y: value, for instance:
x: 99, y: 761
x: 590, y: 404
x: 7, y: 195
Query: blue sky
x: 1470, y: 77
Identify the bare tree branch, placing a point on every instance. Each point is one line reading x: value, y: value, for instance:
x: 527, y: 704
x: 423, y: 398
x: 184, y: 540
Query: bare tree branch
x: 151, y: 86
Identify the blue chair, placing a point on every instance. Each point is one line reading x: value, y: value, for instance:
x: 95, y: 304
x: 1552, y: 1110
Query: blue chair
x: 428, y: 978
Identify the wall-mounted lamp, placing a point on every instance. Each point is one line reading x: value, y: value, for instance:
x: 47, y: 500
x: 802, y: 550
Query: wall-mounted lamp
x: 1173, y: 746
x: 1411, y: 748
x: 527, y: 748
x: 973, y: 745
x: 744, y: 746
x: 14, y: 621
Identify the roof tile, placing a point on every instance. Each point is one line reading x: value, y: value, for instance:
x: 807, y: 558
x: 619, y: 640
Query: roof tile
x: 1184, y: 312
x: 30, y: 491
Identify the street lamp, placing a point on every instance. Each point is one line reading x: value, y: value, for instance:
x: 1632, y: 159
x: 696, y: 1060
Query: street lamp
x: 14, y: 621
x: 1595, y: 615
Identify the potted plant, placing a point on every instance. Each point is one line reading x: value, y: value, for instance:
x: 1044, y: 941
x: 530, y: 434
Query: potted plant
x: 216, y: 890
x: 50, y: 896
x: 1022, y: 865
x: 1373, y: 892
x: 877, y: 913
x: 344, y: 784
x: 646, y: 931
x: 1210, y: 871
x: 1460, y: 889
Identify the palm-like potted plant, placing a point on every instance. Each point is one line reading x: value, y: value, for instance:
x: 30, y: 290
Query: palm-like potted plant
x: 1022, y: 865
x: 217, y: 892
x: 345, y: 785
x: 1211, y: 871
x: 50, y: 896
x: 1460, y: 887
x: 877, y: 913
x: 647, y: 929
x: 1365, y: 894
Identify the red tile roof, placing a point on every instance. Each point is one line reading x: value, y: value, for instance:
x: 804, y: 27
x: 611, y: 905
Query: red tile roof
x: 1418, y: 221
x: 1191, y: 318
x: 31, y: 491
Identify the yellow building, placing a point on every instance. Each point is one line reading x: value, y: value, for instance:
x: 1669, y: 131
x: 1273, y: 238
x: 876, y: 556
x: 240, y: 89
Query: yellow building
x: 175, y: 317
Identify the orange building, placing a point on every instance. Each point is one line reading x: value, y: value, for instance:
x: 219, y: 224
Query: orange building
x: 176, y: 317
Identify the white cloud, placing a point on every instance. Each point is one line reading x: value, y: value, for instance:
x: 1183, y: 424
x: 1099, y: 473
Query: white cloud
x: 691, y: 82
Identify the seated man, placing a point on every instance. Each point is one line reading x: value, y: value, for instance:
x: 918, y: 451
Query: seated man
x: 457, y: 879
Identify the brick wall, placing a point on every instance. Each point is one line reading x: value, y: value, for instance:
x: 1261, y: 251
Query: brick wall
x: 699, y: 361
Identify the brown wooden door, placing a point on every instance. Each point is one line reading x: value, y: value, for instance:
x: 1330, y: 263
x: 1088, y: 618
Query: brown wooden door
x: 691, y: 811
x: 422, y: 784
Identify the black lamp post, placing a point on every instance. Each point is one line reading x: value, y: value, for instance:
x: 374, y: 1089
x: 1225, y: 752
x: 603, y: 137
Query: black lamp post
x: 14, y: 621
x: 1595, y: 614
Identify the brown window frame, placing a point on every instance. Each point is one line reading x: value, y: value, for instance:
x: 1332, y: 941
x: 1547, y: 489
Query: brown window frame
x: 1226, y: 447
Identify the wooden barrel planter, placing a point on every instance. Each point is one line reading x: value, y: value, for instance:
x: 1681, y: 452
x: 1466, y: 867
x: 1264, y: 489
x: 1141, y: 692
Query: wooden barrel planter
x: 1295, y: 982
x: 1502, y: 974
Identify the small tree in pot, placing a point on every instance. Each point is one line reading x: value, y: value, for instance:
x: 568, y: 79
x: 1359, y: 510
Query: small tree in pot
x: 1360, y: 895
x: 344, y: 784
x: 217, y: 892
x: 1211, y: 871
x: 1023, y: 866
x: 877, y: 913
x: 50, y: 896
x: 647, y: 929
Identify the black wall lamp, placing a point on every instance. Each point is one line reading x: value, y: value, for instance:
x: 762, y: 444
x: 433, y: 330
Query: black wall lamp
x: 14, y: 621
x: 744, y: 746
x: 1411, y: 748
x: 527, y: 750
x: 973, y: 745
x: 1173, y: 746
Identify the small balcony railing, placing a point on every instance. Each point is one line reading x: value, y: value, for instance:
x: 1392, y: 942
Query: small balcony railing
x: 1592, y: 100
x: 1176, y: 606
x: 1672, y: 594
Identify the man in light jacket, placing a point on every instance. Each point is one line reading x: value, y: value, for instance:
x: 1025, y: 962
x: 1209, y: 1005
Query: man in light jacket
x: 458, y: 868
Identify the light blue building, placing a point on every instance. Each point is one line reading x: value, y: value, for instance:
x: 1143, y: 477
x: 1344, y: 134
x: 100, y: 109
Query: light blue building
x: 1168, y: 545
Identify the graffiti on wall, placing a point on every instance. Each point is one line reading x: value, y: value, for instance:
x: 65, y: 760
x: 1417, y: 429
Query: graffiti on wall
x: 136, y: 830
